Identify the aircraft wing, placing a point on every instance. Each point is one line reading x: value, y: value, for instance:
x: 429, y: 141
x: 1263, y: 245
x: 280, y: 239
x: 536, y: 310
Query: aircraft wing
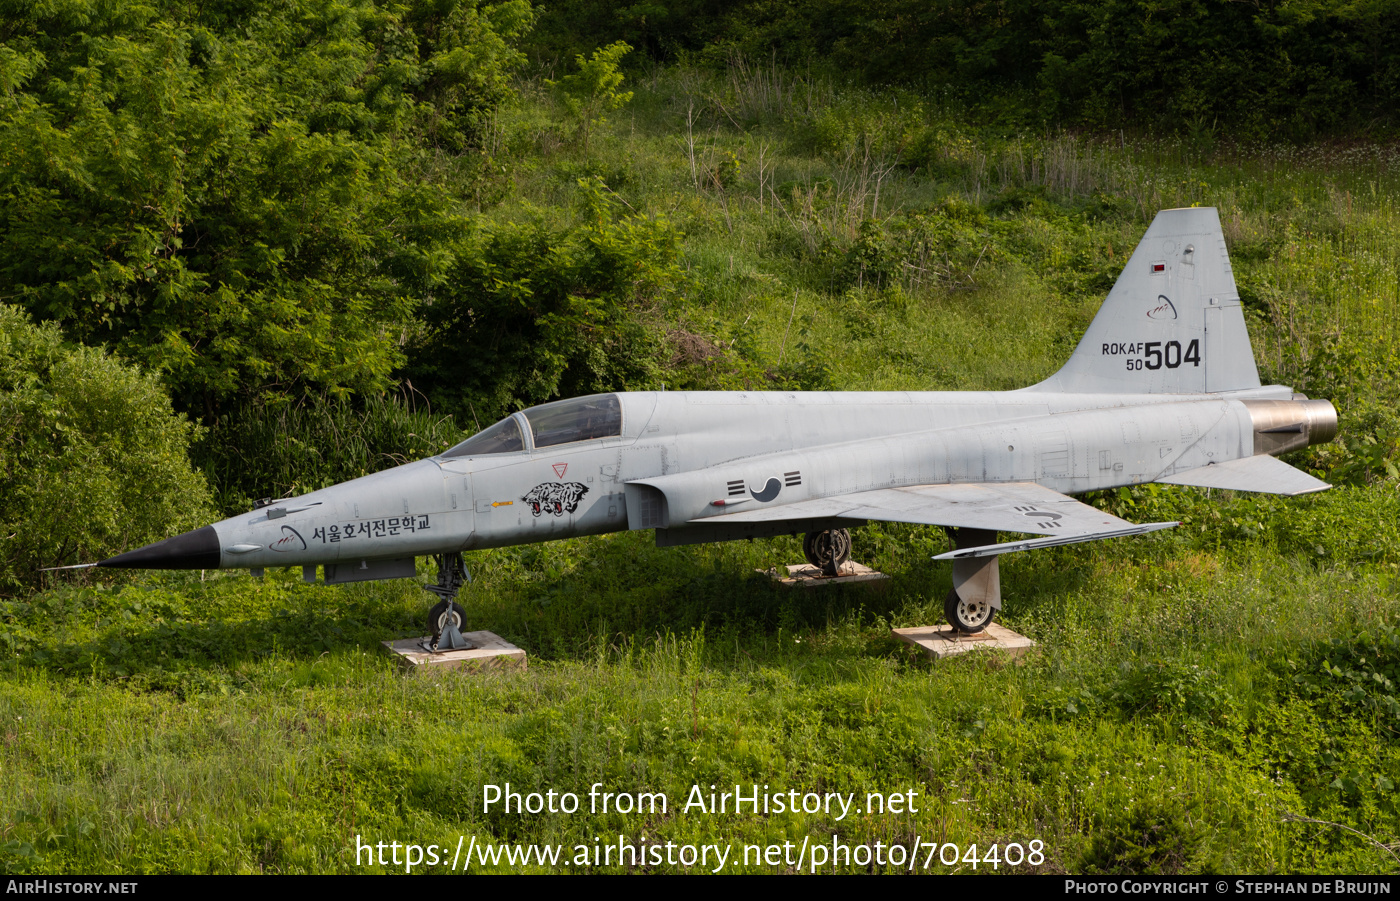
x: 997, y: 506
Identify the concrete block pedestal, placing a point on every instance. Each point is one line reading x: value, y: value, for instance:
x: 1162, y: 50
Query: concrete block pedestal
x: 491, y: 652
x: 809, y: 576
x: 942, y: 641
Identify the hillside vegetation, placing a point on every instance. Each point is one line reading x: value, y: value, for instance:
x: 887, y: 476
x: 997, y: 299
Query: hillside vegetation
x: 1220, y: 697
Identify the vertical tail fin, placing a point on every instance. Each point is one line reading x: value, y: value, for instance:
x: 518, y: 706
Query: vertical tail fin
x: 1172, y: 323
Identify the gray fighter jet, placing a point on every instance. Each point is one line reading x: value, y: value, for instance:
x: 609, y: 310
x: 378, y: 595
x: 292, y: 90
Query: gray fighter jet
x: 1163, y: 388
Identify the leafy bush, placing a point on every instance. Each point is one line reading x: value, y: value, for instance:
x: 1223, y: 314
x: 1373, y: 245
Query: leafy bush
x: 1357, y: 375
x: 243, y: 197
x: 530, y: 312
x: 937, y: 249
x: 1173, y: 688
x: 1144, y: 690
x: 92, y: 460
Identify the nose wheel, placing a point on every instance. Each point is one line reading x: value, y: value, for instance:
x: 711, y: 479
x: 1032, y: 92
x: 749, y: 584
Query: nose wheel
x: 447, y: 617
x: 827, y: 550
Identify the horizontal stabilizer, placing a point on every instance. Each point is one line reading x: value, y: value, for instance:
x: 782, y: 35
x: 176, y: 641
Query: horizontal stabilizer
x: 1262, y: 473
x: 1030, y: 544
x: 1000, y: 506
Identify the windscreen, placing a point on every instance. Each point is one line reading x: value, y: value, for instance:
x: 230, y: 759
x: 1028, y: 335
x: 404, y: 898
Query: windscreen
x: 502, y: 438
x: 580, y: 419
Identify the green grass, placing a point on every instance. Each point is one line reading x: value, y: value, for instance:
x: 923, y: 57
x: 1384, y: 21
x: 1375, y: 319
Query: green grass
x: 1193, y: 695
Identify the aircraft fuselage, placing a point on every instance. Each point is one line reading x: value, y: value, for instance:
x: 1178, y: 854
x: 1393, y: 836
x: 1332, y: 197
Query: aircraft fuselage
x: 687, y: 456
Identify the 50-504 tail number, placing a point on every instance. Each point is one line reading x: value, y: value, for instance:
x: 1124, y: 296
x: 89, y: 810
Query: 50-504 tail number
x: 1156, y: 354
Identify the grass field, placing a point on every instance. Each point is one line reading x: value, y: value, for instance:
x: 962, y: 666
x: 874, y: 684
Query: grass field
x: 1219, y: 698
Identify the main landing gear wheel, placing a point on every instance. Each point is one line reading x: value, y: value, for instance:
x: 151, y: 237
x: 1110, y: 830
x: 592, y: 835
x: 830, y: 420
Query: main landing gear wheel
x: 827, y: 550
x: 967, y: 616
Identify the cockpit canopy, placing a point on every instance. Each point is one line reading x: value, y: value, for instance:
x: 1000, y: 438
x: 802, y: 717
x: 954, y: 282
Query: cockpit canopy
x: 502, y: 438
x: 550, y: 425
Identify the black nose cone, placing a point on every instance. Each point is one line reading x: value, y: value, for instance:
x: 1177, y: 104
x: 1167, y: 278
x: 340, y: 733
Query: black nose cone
x: 193, y: 550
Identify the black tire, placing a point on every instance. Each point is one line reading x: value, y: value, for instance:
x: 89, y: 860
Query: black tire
x: 827, y: 550
x: 967, y: 617
x: 439, y: 617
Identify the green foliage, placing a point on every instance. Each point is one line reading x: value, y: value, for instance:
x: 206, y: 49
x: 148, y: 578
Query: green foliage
x: 593, y: 89
x: 1173, y: 688
x: 939, y: 248
x: 529, y: 312
x: 1153, y: 839
x: 92, y: 460
x: 189, y: 642
x: 1361, y: 672
x: 469, y: 53
x: 1288, y: 70
x: 660, y: 29
x: 1159, y: 689
x: 738, y: 361
x: 262, y: 712
x: 262, y: 450
x: 236, y: 197
x: 1356, y: 376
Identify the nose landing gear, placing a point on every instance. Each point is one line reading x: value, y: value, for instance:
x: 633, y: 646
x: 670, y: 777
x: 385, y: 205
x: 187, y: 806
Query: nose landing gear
x: 447, y: 617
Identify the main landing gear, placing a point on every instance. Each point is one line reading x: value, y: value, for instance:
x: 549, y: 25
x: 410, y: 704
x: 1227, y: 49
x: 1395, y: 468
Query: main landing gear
x: 447, y: 617
x: 976, y: 594
x: 827, y: 550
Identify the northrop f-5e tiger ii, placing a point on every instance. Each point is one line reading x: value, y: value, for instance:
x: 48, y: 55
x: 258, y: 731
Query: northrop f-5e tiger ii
x: 1162, y: 388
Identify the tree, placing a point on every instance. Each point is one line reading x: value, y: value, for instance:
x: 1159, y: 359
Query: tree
x: 592, y: 90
